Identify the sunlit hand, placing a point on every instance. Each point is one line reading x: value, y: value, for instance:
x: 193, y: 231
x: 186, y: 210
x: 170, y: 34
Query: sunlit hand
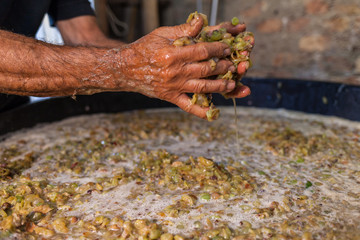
x: 156, y: 68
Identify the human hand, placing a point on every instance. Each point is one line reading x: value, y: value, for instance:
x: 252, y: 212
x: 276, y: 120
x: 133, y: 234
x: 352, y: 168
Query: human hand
x: 241, y: 90
x: 154, y: 67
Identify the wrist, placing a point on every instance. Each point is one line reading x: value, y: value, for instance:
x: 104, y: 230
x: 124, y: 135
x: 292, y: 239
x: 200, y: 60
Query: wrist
x: 105, y: 72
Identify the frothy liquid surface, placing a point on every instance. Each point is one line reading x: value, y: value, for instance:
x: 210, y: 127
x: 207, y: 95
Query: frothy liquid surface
x: 305, y: 171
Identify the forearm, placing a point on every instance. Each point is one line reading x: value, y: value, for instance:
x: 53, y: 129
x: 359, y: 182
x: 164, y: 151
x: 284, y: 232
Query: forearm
x: 30, y: 67
x: 84, y: 31
x: 151, y: 65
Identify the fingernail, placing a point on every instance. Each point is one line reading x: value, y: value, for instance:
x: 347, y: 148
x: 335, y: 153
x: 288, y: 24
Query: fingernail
x: 245, y: 91
x: 247, y: 65
x: 242, y: 67
x: 227, y: 51
x: 244, y: 53
x: 230, y: 86
x: 194, y: 20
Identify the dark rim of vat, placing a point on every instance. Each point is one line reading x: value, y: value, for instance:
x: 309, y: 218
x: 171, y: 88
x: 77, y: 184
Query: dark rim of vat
x: 333, y: 99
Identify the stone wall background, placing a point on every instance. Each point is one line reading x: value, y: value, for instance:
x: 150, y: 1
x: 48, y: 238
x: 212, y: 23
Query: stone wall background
x: 303, y: 39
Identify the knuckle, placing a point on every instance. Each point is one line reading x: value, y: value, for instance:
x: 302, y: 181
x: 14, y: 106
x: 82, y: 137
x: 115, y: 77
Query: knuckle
x: 204, y: 70
x: 165, y: 58
x: 200, y: 88
x: 220, y: 47
x: 203, y: 51
x: 220, y: 86
x: 223, y: 85
x: 187, y: 108
x: 226, y: 67
x: 168, y: 75
x: 184, y: 30
x: 223, y: 66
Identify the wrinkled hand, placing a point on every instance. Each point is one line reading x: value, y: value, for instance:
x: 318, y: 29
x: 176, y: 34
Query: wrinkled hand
x: 156, y: 68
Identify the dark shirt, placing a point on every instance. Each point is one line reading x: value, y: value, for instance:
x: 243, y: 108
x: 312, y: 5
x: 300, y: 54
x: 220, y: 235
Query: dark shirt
x: 25, y: 16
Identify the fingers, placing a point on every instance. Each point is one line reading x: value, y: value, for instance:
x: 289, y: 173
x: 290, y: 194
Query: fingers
x: 234, y: 30
x: 243, y: 67
x: 203, y: 51
x: 190, y: 29
x: 208, y: 68
x: 183, y: 101
x: 239, y: 92
x: 193, y: 28
x: 208, y: 86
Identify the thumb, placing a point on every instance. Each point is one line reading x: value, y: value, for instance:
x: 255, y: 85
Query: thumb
x: 190, y: 29
x: 194, y: 26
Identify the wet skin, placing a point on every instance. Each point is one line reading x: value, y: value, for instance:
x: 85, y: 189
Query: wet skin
x: 170, y: 72
x: 151, y: 66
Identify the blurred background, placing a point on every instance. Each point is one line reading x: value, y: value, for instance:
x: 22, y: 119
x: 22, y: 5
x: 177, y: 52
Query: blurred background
x: 298, y: 39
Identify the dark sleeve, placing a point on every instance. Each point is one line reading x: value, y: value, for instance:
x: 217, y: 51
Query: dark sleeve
x: 66, y: 9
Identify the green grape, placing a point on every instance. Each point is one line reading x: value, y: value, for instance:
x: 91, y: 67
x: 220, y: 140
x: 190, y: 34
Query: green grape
x: 215, y: 35
x: 234, y: 21
x: 240, y: 46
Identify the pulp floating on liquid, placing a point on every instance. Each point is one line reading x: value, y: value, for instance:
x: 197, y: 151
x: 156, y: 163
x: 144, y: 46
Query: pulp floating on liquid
x: 165, y: 173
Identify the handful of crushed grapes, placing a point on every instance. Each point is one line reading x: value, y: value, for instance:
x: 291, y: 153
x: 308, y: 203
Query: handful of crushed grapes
x: 240, y: 46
